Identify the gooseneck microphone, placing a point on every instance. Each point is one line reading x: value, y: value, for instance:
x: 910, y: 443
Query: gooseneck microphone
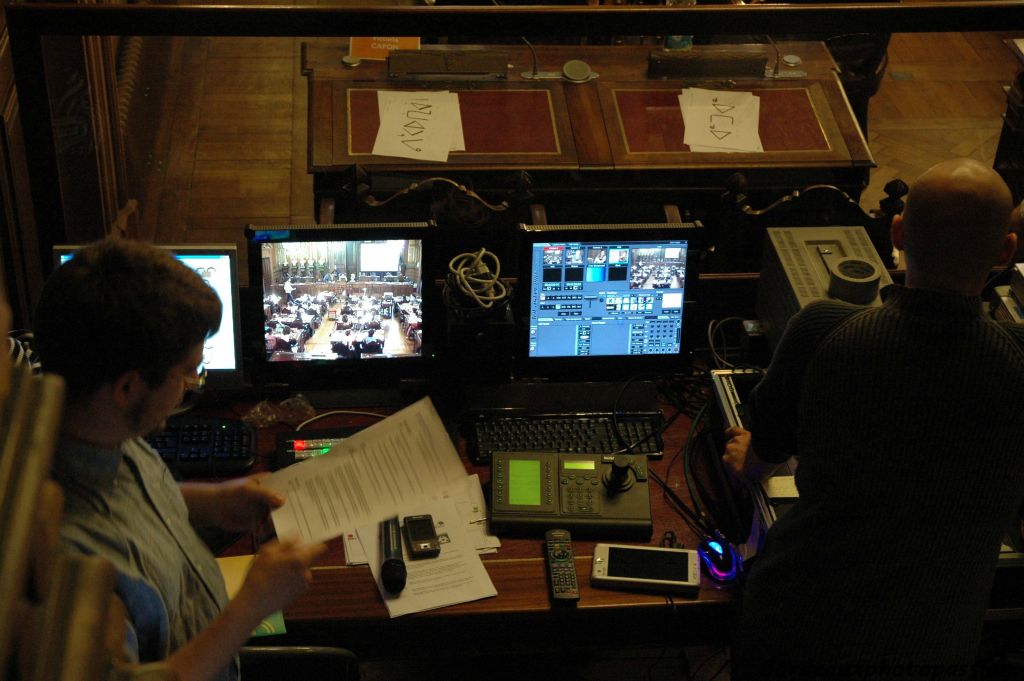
x: 778, y: 56
x: 533, y: 55
x: 392, y: 566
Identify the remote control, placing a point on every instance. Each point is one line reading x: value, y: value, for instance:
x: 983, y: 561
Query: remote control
x: 561, y: 565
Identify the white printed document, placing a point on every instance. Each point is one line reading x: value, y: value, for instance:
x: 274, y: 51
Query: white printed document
x: 721, y: 121
x: 420, y: 125
x: 468, y: 497
x: 457, y: 575
x: 390, y: 465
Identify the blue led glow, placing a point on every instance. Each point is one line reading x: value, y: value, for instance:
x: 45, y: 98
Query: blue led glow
x: 272, y: 235
x: 716, y: 546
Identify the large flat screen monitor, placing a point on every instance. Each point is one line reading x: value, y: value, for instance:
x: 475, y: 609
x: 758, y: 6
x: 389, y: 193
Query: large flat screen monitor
x: 602, y: 301
x: 339, y: 305
x: 217, y: 264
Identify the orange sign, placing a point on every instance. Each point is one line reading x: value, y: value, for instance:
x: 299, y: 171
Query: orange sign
x: 378, y: 48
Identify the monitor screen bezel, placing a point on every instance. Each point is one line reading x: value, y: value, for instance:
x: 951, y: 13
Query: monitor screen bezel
x: 337, y: 374
x: 216, y: 379
x: 604, y: 367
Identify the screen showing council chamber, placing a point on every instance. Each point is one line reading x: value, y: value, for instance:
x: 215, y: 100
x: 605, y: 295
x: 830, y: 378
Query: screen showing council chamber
x: 590, y: 298
x: 342, y: 300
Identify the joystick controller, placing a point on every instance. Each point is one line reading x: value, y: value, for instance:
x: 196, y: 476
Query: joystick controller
x: 620, y: 477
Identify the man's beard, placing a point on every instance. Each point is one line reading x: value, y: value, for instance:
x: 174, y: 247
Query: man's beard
x: 137, y: 415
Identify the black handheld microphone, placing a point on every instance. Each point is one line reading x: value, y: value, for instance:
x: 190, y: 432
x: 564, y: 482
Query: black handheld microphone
x: 392, y: 566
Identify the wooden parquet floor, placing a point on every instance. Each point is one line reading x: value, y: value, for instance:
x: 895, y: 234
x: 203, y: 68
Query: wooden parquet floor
x: 942, y: 97
x: 232, y: 146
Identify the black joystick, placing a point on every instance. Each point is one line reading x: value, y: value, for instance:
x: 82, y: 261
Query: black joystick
x: 620, y: 476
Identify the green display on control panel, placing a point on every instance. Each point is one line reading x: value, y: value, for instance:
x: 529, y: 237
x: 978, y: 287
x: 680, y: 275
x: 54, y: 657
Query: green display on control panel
x: 524, y: 482
x: 578, y: 465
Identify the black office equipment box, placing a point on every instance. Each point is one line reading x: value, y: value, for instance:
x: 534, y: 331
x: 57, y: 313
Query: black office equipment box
x: 599, y: 496
x: 804, y: 264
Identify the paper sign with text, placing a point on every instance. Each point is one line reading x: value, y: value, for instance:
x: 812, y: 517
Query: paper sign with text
x: 721, y: 121
x: 378, y: 48
x: 420, y: 125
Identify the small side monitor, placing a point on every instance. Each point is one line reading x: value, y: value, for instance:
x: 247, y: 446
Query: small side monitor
x: 217, y: 264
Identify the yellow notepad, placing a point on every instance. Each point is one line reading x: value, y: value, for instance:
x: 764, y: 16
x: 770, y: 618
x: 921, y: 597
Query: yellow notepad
x: 234, y: 569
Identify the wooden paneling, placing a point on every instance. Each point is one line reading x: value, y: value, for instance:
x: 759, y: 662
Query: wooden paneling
x: 21, y: 268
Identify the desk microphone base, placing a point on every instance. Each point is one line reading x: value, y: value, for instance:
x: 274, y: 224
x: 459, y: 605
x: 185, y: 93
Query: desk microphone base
x: 542, y: 75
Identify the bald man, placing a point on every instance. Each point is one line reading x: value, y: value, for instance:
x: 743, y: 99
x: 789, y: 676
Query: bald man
x: 908, y: 425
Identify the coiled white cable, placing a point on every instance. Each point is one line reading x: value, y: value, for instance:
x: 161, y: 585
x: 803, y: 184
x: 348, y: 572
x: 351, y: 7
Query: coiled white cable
x: 471, y: 276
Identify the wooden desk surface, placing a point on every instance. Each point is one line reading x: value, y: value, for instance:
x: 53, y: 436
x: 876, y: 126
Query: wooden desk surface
x: 587, y: 122
x: 344, y: 606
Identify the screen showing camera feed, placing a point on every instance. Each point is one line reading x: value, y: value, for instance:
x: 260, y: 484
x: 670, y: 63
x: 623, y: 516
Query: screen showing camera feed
x: 342, y: 300
x: 607, y: 298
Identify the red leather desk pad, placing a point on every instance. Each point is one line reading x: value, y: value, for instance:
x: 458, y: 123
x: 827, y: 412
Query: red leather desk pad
x: 649, y: 121
x: 494, y: 122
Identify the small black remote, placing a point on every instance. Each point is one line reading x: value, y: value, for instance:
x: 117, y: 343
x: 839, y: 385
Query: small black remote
x: 561, y: 565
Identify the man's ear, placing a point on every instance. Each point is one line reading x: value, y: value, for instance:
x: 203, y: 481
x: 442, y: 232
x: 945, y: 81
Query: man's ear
x: 896, y: 231
x: 1008, y: 250
x: 128, y: 388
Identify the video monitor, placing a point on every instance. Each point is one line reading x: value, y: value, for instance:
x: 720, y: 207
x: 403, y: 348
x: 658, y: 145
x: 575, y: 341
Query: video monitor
x: 217, y: 264
x: 606, y: 298
x: 338, y: 302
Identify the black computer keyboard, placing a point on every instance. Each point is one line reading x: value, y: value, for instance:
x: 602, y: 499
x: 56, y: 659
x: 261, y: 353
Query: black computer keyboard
x: 488, y: 432
x: 206, y: 448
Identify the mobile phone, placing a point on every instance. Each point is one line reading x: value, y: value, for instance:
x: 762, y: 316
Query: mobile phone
x: 421, y: 536
x: 646, y: 568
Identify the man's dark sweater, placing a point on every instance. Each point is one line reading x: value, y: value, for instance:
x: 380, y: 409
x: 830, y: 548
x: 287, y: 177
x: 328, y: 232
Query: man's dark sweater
x: 908, y: 420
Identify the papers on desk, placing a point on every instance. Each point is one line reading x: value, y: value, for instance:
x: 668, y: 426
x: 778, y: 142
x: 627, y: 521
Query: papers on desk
x: 406, y: 458
x: 423, y: 126
x: 468, y: 498
x: 403, y: 465
x: 719, y: 121
x: 455, y: 576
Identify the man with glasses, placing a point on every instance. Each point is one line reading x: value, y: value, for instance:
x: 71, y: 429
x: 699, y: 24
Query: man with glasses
x: 124, y: 324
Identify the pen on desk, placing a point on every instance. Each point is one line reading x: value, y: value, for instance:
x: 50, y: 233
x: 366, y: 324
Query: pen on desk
x: 392, y: 566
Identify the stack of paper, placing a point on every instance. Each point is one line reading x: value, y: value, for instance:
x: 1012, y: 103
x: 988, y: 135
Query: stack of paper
x: 420, y: 125
x: 721, y: 121
x: 403, y: 465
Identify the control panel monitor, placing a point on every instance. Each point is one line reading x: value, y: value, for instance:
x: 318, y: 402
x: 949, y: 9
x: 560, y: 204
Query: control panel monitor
x: 596, y: 495
x: 611, y: 296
